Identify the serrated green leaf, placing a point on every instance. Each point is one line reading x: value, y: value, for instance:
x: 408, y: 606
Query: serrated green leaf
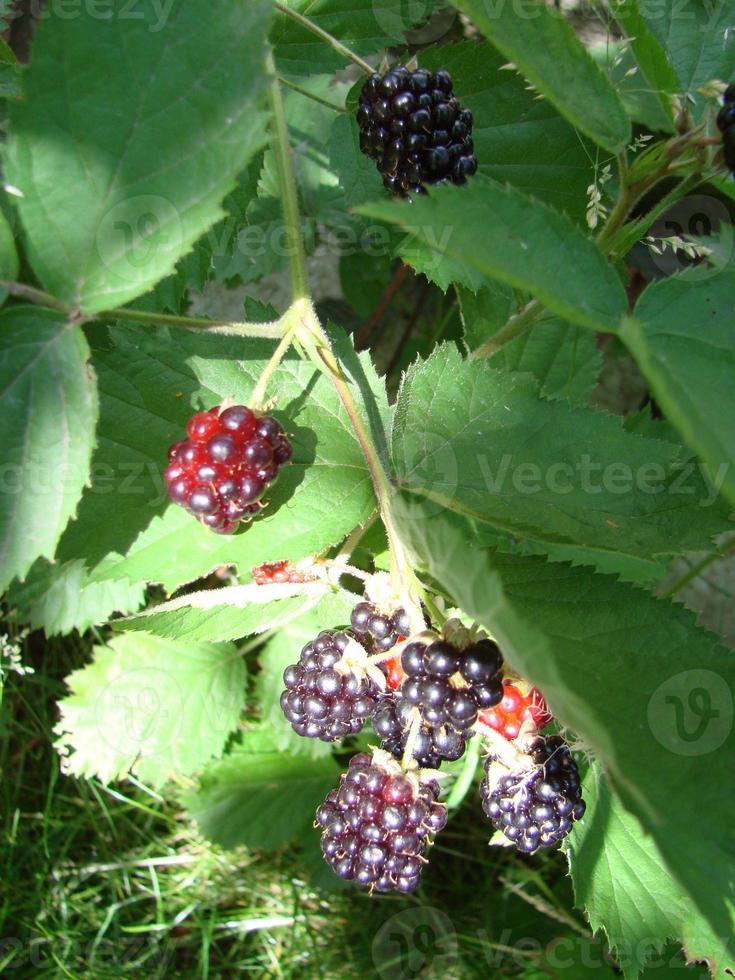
x: 621, y: 881
x: 484, y: 444
x: 519, y: 139
x: 644, y: 103
x: 8, y: 254
x: 698, y: 39
x: 564, y: 358
x: 681, y: 336
x: 229, y: 613
x: 358, y: 175
x: 156, y: 117
x: 48, y: 410
x: 150, y: 706
x: 261, y: 797
x: 620, y: 669
x: 546, y: 50
x: 59, y: 599
x: 365, y: 26
x: 492, y: 232
x: 150, y: 385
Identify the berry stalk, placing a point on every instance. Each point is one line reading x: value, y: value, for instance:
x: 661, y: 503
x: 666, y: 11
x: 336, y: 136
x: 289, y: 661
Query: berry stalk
x: 332, y: 41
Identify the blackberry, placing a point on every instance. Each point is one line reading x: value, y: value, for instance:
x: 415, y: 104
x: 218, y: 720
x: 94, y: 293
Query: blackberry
x: 537, y: 804
x: 324, y: 698
x: 412, y: 125
x: 282, y: 572
x: 221, y: 471
x: 376, y: 630
x: 449, y: 687
x: 726, y: 125
x: 378, y: 823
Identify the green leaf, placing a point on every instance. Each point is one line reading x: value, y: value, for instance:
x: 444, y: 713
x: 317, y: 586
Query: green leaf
x: 698, y: 39
x: 261, y: 797
x: 358, y: 175
x: 48, y: 409
x: 620, y: 880
x: 59, y: 598
x: 643, y: 102
x: 229, y: 613
x: 365, y: 26
x: 654, y: 65
x: 150, y: 706
x: 519, y: 139
x: 150, y: 385
x: 564, y: 358
x: 9, y: 264
x: 544, y: 47
x: 681, y: 336
x: 492, y: 232
x: 154, y: 120
x: 484, y: 444
x: 647, y: 690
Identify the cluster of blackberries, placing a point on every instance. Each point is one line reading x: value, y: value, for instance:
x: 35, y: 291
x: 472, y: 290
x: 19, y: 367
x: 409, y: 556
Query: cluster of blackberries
x: 412, y: 125
x: 726, y: 125
x: 377, y: 825
x: 222, y: 470
x: 536, y: 804
x: 377, y: 631
x: 322, y: 701
x: 448, y: 687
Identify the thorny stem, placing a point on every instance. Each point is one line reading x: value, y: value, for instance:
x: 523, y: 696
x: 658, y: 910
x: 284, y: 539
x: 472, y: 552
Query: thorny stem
x: 309, y: 25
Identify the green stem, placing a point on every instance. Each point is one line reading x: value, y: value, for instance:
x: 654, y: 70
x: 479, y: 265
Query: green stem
x: 437, y: 616
x: 287, y: 183
x: 37, y: 296
x: 514, y: 327
x: 310, y: 95
x: 697, y: 569
x: 309, y: 25
x: 257, y: 398
x: 352, y: 541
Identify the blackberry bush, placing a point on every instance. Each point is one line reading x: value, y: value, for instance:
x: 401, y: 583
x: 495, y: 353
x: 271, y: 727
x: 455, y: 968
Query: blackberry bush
x: 413, y: 126
x: 325, y: 697
x: 379, y: 823
x: 536, y: 803
x: 221, y: 471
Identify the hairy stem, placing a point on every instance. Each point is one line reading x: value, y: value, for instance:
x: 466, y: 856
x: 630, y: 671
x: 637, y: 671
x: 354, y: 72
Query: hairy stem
x: 309, y: 25
x: 310, y: 95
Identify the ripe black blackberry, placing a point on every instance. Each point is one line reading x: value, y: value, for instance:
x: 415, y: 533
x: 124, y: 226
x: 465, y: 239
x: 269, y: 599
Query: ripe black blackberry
x: 448, y: 687
x: 376, y: 630
x: 220, y: 473
x: 324, y: 697
x: 412, y: 125
x: 377, y: 825
x: 536, y: 804
x: 726, y: 125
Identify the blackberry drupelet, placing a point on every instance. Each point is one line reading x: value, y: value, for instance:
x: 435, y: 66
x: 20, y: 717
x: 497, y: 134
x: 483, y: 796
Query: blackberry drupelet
x: 448, y: 687
x: 537, y: 804
x: 222, y: 470
x: 378, y: 823
x: 517, y: 711
x: 376, y: 630
x: 412, y: 125
x: 323, y: 699
x: 726, y: 125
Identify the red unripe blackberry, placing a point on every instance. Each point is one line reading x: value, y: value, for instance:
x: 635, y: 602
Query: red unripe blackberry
x: 536, y: 804
x: 222, y: 470
x: 280, y: 572
x: 324, y: 698
x: 377, y: 825
x: 517, y: 712
x: 412, y: 125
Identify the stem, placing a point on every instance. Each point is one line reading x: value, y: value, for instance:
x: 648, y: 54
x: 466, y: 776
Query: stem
x: 413, y: 734
x: 310, y: 95
x: 514, y: 327
x: 699, y: 567
x: 287, y: 184
x: 355, y: 537
x: 325, y: 36
x: 258, y: 396
x: 37, y: 296
x: 437, y: 616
